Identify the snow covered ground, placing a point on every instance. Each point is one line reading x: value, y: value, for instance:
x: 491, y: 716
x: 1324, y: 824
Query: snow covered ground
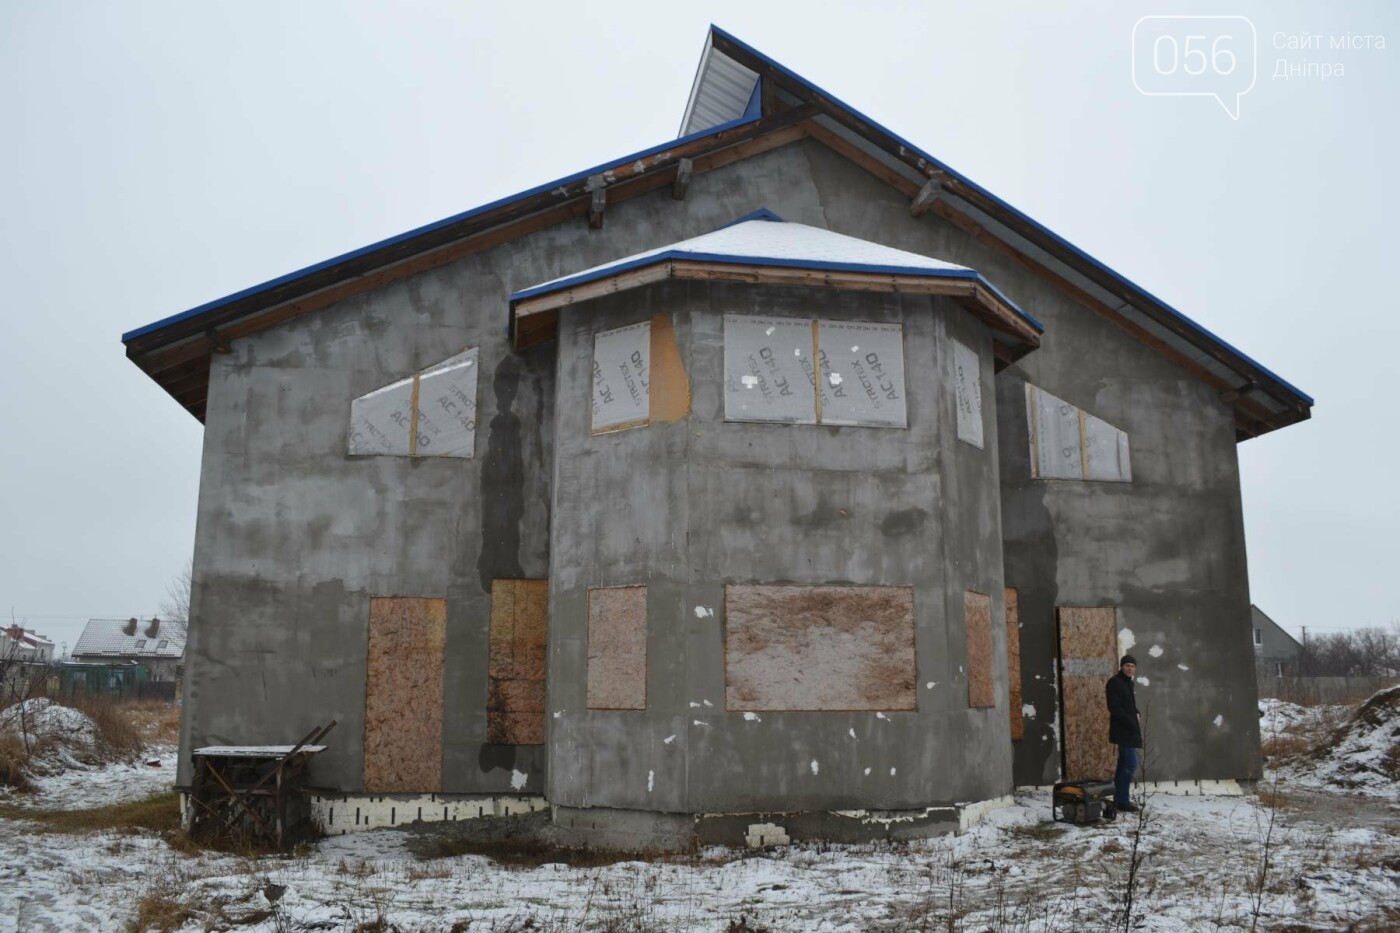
x: 1337, y: 747
x: 1333, y: 863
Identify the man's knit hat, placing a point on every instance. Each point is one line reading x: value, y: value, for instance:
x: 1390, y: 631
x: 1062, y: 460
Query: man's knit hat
x: 1127, y: 659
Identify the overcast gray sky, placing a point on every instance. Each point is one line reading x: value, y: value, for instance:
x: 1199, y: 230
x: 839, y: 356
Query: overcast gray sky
x: 159, y: 155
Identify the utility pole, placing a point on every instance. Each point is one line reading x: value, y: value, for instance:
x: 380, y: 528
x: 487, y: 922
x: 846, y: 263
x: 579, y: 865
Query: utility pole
x: 1304, y: 665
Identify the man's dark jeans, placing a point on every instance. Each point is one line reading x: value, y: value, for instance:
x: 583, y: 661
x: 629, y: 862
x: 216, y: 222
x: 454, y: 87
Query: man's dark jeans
x: 1123, y: 778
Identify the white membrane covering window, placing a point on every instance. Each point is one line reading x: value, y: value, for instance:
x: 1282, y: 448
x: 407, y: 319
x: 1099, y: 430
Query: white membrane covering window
x: 862, y: 367
x: 429, y: 414
x: 1068, y: 443
x: 621, y: 378
x: 769, y: 373
x: 768, y: 370
x: 967, y: 391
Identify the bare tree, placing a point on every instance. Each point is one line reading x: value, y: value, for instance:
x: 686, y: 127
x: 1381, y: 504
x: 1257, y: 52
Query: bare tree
x: 176, y: 604
x: 1361, y: 652
x: 1138, y: 851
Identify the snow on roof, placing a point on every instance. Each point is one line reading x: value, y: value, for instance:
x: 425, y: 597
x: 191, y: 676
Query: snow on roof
x: 109, y: 638
x: 26, y: 636
x: 765, y: 239
x: 255, y: 751
x: 770, y: 240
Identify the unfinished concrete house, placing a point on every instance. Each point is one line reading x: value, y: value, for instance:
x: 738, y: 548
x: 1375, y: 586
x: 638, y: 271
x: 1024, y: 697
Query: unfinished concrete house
x: 776, y: 481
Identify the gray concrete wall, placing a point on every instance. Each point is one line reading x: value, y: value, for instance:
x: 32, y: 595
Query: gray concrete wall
x: 294, y: 537
x: 690, y: 506
x: 1167, y: 549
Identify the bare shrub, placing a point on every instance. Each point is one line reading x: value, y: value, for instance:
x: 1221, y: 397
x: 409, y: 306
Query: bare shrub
x: 119, y: 738
x: 158, y: 721
x: 13, y: 758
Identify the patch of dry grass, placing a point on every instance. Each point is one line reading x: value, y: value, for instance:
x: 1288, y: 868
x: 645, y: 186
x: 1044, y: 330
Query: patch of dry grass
x: 157, y: 721
x: 160, y: 814
x: 527, y: 852
x: 120, y: 739
x: 1284, y: 746
x: 161, y: 911
x: 13, y: 758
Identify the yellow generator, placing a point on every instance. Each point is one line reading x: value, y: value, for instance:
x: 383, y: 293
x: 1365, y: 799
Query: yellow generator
x: 1082, y: 802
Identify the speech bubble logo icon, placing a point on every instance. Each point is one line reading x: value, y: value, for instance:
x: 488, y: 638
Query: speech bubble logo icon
x: 1196, y: 56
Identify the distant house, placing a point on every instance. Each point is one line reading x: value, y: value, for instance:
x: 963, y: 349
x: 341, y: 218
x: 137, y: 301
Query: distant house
x: 1276, y: 653
x: 24, y: 656
x: 19, y: 644
x: 156, y: 644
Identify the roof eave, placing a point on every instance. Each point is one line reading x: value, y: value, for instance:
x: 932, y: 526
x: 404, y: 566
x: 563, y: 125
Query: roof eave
x: 183, y: 344
x: 1295, y: 404
x: 534, y: 311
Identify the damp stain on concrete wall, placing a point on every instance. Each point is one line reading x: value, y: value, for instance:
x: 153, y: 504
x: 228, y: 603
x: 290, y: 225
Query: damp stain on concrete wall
x: 515, y: 703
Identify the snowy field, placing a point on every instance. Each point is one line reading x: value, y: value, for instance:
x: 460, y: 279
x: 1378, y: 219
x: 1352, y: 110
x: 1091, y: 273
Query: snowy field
x: 1330, y: 861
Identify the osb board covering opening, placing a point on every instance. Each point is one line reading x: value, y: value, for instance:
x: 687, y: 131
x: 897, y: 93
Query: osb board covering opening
x: 403, y: 694
x: 515, y: 708
x: 819, y: 648
x: 981, y: 677
x: 1013, y: 662
x: 617, y: 648
x: 670, y: 386
x: 1088, y: 649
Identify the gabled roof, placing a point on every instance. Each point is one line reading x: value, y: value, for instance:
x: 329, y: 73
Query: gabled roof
x: 111, y: 638
x: 762, y: 247
x: 727, y: 118
x: 1261, y: 618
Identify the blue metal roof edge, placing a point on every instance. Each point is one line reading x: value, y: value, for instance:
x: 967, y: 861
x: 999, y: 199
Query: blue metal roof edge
x: 584, y: 278
x: 755, y: 105
x: 942, y: 166
x: 762, y: 213
x: 427, y: 228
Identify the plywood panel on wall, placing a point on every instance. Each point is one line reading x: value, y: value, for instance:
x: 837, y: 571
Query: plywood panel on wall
x: 819, y: 648
x: 617, y: 647
x: 515, y: 713
x: 1013, y: 661
x: 670, y: 386
x: 403, y: 694
x: 981, y: 674
x: 1088, y: 650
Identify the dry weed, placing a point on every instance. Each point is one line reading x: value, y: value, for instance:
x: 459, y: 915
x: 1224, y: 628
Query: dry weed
x: 13, y: 758
x: 161, y: 912
x: 160, y: 814
x: 119, y: 738
x: 157, y: 721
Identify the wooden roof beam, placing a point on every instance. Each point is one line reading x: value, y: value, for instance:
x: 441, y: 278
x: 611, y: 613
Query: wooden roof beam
x: 925, y: 198
x: 685, y: 168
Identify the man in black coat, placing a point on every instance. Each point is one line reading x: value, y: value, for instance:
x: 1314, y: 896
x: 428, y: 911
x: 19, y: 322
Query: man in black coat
x: 1124, y: 730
